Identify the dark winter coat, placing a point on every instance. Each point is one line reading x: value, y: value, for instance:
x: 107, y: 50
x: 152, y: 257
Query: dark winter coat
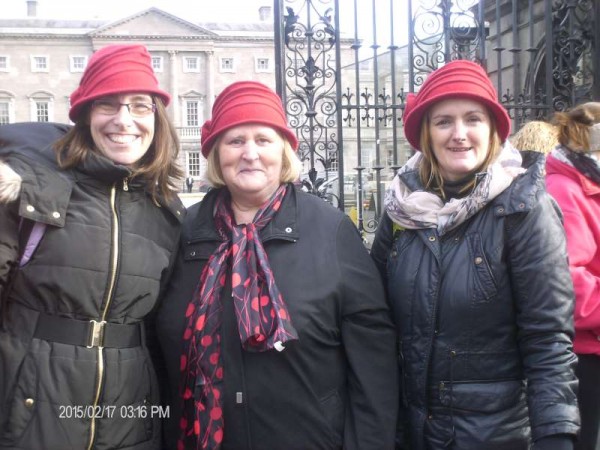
x: 105, y: 253
x: 484, y: 316
x: 335, y: 387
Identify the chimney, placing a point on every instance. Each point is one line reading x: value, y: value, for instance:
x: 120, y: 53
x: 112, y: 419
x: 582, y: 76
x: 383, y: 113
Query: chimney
x: 32, y: 8
x: 264, y: 12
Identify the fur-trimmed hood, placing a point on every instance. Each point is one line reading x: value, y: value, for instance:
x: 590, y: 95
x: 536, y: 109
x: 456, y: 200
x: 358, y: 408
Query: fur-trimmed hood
x: 10, y: 183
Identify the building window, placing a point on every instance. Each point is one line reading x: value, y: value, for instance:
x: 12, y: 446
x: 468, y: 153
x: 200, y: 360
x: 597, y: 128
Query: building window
x: 42, y: 111
x: 262, y: 65
x: 39, y: 64
x: 191, y: 64
x: 194, y: 164
x: 157, y: 63
x: 4, y: 112
x: 226, y: 65
x: 192, y: 113
x: 42, y: 107
x: 4, y: 66
x: 78, y: 63
x: 7, y: 102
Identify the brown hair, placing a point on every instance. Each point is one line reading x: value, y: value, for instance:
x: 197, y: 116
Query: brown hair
x: 158, y: 166
x: 429, y: 170
x: 573, y: 125
x: 290, y: 165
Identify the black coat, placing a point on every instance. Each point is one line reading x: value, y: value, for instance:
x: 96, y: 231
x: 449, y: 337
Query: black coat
x: 337, y: 386
x: 105, y: 250
x: 484, y: 315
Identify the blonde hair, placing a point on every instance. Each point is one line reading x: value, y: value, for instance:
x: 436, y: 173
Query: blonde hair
x: 536, y: 135
x: 574, y: 125
x: 429, y: 170
x: 291, y: 166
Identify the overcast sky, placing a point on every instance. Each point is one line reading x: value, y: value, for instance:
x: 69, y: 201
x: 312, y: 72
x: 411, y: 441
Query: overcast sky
x: 192, y: 10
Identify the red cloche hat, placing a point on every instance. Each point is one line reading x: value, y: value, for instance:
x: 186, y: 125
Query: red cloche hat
x: 116, y: 69
x: 457, y: 79
x: 245, y: 102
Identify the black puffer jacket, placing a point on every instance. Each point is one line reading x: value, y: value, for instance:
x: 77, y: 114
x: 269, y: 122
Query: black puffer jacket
x: 337, y: 385
x: 105, y: 254
x: 484, y: 318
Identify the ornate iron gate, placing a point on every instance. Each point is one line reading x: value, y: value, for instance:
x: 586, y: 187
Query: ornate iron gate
x: 345, y: 67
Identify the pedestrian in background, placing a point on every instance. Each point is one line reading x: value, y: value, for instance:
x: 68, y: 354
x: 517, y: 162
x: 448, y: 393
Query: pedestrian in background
x: 472, y: 251
x: 189, y: 184
x: 275, y: 328
x: 75, y: 370
x: 573, y: 178
x: 536, y: 135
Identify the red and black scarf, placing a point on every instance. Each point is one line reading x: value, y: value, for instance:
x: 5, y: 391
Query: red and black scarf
x: 263, y: 319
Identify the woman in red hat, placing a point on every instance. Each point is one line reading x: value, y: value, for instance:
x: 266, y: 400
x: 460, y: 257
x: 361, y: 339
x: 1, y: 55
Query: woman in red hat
x: 274, y: 328
x: 472, y: 251
x: 75, y: 370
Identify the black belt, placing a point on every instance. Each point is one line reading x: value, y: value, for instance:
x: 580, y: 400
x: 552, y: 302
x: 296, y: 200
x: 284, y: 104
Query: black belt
x: 88, y: 333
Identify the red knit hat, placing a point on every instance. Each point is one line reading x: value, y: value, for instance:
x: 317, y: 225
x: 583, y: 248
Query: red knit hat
x: 457, y: 79
x: 241, y: 103
x: 116, y: 69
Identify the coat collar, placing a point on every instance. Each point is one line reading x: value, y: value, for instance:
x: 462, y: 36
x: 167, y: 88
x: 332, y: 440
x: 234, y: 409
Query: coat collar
x: 522, y: 194
x: 588, y: 187
x: 283, y: 226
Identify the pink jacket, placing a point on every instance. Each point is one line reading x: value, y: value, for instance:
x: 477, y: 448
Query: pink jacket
x: 579, y: 199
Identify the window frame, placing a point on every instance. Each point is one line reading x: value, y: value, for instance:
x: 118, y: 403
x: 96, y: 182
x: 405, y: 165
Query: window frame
x: 259, y: 69
x: 9, y: 101
x: 7, y: 59
x: 187, y: 102
x: 222, y: 67
x: 186, y: 68
x: 194, y: 164
x: 72, y: 63
x: 35, y: 68
x: 38, y: 98
x: 160, y: 60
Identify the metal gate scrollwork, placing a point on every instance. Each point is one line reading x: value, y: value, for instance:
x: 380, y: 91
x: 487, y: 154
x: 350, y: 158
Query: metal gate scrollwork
x: 344, y: 74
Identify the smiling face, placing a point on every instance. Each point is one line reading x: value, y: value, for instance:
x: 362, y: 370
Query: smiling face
x: 250, y: 159
x: 460, y: 136
x: 122, y: 137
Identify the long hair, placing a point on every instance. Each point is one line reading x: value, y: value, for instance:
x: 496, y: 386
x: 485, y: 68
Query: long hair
x: 158, y: 166
x: 429, y: 170
x: 573, y: 125
x: 291, y: 166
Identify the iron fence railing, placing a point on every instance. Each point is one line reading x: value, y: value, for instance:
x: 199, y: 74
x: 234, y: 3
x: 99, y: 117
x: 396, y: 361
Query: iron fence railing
x: 344, y: 71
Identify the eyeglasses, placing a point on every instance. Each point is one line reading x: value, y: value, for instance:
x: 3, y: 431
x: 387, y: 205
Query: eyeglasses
x: 136, y: 109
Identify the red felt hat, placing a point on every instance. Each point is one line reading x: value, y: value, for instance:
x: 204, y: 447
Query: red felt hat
x: 242, y: 103
x: 116, y: 69
x: 457, y: 79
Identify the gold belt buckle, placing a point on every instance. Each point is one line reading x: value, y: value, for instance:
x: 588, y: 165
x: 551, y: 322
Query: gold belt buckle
x: 97, y: 334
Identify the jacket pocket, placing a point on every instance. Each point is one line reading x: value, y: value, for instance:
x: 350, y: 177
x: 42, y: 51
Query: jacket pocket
x: 23, y: 405
x: 199, y: 250
x: 333, y: 410
x: 484, y: 285
x: 482, y: 396
x: 133, y: 392
x: 397, y: 250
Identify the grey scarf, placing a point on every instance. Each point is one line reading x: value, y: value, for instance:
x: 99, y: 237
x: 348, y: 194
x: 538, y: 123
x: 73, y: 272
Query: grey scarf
x: 423, y: 209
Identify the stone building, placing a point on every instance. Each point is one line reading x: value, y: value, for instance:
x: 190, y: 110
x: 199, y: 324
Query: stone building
x: 42, y: 61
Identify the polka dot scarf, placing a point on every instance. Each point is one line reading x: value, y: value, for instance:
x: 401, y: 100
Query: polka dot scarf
x: 263, y: 320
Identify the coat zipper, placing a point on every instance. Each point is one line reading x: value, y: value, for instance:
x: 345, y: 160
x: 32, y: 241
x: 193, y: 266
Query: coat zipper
x: 107, y: 301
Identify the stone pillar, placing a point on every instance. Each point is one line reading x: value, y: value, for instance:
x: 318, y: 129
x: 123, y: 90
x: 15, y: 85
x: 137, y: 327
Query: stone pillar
x: 174, y: 88
x: 210, y: 83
